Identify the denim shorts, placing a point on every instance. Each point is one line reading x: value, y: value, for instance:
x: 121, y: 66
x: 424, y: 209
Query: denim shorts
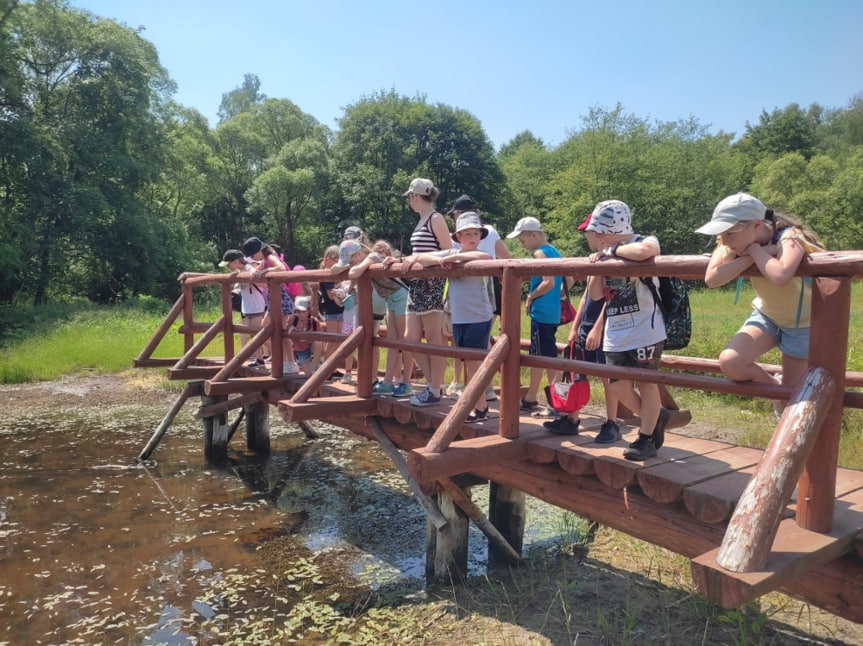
x: 472, y: 335
x: 397, y: 302
x: 303, y: 356
x: 793, y: 341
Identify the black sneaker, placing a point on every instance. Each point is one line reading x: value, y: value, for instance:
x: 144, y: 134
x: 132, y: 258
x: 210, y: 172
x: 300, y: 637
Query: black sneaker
x: 659, y: 429
x: 641, y: 449
x: 608, y: 433
x: 562, y: 426
x: 529, y: 407
x: 477, y: 416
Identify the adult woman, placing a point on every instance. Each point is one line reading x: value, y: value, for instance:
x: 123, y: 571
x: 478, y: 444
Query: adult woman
x: 425, y: 307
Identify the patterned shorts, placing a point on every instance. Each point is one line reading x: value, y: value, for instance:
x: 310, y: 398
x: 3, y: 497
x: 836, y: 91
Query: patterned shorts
x: 426, y: 295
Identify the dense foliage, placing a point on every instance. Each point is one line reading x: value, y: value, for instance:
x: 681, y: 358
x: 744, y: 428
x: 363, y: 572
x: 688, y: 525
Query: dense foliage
x: 109, y: 189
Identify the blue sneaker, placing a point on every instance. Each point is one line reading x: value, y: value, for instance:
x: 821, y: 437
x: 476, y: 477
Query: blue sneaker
x: 608, y: 433
x: 425, y: 398
x: 402, y: 389
x: 383, y: 388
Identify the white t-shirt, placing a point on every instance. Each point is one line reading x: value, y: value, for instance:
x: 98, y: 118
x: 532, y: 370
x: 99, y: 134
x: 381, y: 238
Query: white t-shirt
x: 254, y: 297
x: 632, y: 317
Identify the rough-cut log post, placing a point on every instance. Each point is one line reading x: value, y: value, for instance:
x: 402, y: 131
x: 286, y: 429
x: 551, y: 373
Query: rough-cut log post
x: 507, y: 510
x: 191, y: 388
x: 188, y: 317
x: 496, y: 540
x: 510, y: 376
x: 433, y: 513
x: 258, y: 427
x: 236, y: 424
x: 192, y: 354
x: 336, y: 359
x: 828, y: 348
x: 276, y: 358
x: 216, y: 429
x: 751, y: 530
x: 446, y: 548
x: 367, y: 370
x: 228, y: 315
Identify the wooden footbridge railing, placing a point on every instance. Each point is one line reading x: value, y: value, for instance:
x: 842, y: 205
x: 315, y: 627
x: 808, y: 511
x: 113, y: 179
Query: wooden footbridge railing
x: 682, y: 499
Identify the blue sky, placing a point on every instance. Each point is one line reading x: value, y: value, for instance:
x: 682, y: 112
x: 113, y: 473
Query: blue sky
x: 538, y: 65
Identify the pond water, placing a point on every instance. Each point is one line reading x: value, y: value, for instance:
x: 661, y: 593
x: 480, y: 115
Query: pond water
x: 93, y: 549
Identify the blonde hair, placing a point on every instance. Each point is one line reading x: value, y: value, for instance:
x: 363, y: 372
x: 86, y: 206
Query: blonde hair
x: 383, y: 248
x: 330, y: 253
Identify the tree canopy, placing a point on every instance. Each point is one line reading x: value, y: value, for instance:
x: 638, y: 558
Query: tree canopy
x: 108, y: 188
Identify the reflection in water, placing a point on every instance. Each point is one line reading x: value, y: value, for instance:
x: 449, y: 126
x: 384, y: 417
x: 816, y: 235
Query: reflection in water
x: 94, y: 550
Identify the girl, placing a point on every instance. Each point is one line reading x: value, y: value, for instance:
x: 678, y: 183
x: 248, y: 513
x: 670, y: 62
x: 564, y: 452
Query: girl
x: 330, y: 304
x: 425, y: 307
x: 751, y: 234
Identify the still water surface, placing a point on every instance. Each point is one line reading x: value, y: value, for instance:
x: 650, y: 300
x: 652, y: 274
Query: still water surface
x: 94, y: 550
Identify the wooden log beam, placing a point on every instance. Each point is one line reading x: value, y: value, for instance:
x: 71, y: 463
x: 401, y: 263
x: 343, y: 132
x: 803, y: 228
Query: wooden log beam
x: 244, y: 354
x: 475, y: 514
x: 192, y: 388
x: 230, y: 404
x: 323, y: 407
x: 464, y: 456
x: 795, y: 551
x: 162, y: 330
x: 336, y: 359
x: 753, y: 526
x: 454, y: 420
x: 432, y: 512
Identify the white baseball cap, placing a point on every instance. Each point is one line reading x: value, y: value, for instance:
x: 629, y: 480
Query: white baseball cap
x: 525, y: 224
x: 740, y: 207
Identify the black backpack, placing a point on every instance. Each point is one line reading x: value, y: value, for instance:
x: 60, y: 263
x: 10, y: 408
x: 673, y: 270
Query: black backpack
x: 673, y: 300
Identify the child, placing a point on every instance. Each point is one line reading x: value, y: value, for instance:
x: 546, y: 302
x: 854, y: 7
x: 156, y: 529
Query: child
x: 587, y: 332
x: 543, y: 306
x: 470, y: 304
x: 750, y: 233
x: 394, y: 293
x: 351, y: 251
x: 330, y: 303
x: 634, y: 327
x: 302, y: 353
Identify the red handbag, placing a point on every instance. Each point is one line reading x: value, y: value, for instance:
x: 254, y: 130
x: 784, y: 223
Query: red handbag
x: 567, y: 311
x: 573, y: 391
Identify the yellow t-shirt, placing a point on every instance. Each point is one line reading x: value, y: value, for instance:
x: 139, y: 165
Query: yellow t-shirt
x: 783, y: 303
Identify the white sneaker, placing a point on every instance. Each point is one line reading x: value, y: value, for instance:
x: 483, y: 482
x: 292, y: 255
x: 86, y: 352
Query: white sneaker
x: 454, y: 390
x: 347, y: 379
x: 490, y: 394
x: 290, y: 368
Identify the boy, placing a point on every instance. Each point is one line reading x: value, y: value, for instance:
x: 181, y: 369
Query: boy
x: 470, y: 303
x: 299, y: 352
x: 587, y: 332
x: 634, y: 327
x: 543, y: 306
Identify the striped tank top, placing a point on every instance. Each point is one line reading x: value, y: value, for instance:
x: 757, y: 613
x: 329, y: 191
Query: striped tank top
x: 423, y: 238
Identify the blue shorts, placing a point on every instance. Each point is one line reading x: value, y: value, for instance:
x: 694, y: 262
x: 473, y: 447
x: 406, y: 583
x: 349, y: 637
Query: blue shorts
x: 542, y: 339
x: 303, y: 356
x: 397, y: 302
x: 594, y: 356
x: 334, y: 317
x: 472, y: 335
x: 793, y: 341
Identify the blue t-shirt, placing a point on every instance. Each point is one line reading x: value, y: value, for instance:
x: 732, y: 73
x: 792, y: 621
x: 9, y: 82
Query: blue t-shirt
x: 546, y: 308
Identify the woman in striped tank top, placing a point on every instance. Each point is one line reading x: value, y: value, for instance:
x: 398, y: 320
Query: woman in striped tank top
x: 425, y: 306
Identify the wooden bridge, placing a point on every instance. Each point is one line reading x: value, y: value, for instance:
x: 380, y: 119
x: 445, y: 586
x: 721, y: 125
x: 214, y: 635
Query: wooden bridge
x: 730, y: 509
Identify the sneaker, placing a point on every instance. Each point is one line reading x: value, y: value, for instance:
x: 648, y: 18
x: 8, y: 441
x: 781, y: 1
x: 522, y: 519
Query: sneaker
x: 383, y: 388
x: 641, y: 449
x: 335, y: 376
x: 425, y: 398
x: 609, y: 433
x: 402, y: 389
x: 529, y: 407
x: 658, y: 430
x: 346, y: 378
x: 490, y: 394
x: 454, y: 390
x: 562, y: 426
x: 290, y: 368
x: 476, y: 416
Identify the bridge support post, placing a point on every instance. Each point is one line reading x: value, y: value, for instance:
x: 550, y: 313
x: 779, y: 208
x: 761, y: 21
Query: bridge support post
x: 258, y: 427
x: 446, y: 548
x: 507, y: 511
x: 216, y: 428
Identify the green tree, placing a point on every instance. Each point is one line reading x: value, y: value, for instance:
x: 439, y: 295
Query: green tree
x: 784, y: 131
x: 241, y: 99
